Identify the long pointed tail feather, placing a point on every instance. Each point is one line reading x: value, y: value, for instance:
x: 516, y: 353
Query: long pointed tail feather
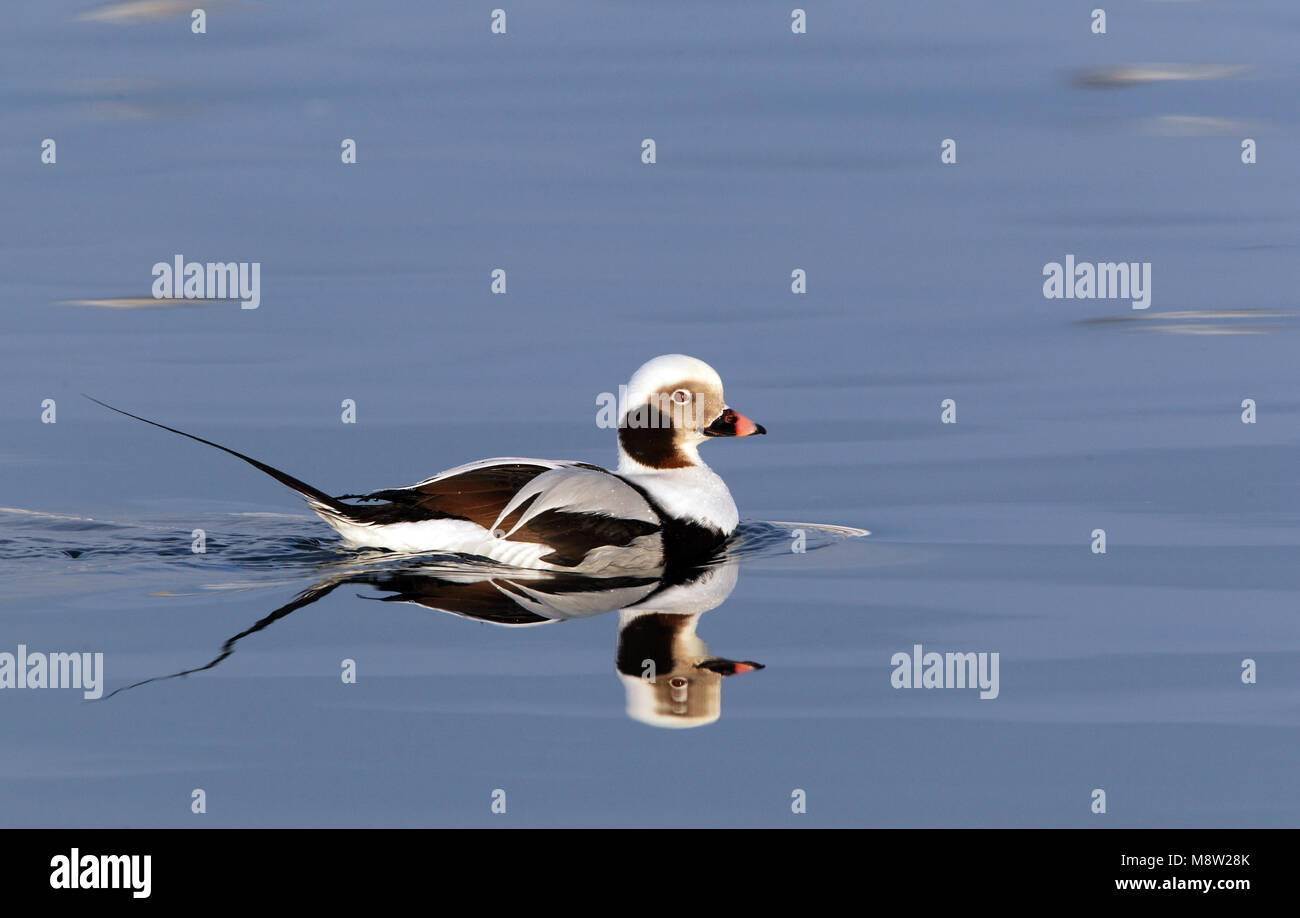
x: 318, y: 499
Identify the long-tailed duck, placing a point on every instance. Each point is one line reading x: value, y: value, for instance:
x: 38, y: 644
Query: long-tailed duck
x: 662, y: 508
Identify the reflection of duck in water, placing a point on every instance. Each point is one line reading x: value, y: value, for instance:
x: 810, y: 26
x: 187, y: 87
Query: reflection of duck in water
x: 670, y: 678
x: 669, y: 675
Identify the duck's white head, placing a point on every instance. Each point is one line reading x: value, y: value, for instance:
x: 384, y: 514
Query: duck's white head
x: 674, y: 403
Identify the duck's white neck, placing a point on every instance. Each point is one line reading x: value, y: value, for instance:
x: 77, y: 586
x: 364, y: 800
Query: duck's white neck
x: 694, y: 493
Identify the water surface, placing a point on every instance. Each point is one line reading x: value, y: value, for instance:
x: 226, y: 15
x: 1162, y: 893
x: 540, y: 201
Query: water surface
x: 1118, y: 671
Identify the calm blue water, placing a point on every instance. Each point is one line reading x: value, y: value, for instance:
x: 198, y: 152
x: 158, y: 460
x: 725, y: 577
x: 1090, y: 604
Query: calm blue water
x: 821, y: 151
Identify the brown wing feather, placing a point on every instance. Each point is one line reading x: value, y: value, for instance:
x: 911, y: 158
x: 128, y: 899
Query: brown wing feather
x: 478, y: 495
x: 572, y: 535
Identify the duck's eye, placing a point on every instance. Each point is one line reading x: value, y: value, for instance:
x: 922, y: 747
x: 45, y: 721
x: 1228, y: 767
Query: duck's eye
x: 677, y: 682
x: 681, y: 396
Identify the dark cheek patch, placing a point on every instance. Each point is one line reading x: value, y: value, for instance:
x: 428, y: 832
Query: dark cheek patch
x: 655, y: 447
